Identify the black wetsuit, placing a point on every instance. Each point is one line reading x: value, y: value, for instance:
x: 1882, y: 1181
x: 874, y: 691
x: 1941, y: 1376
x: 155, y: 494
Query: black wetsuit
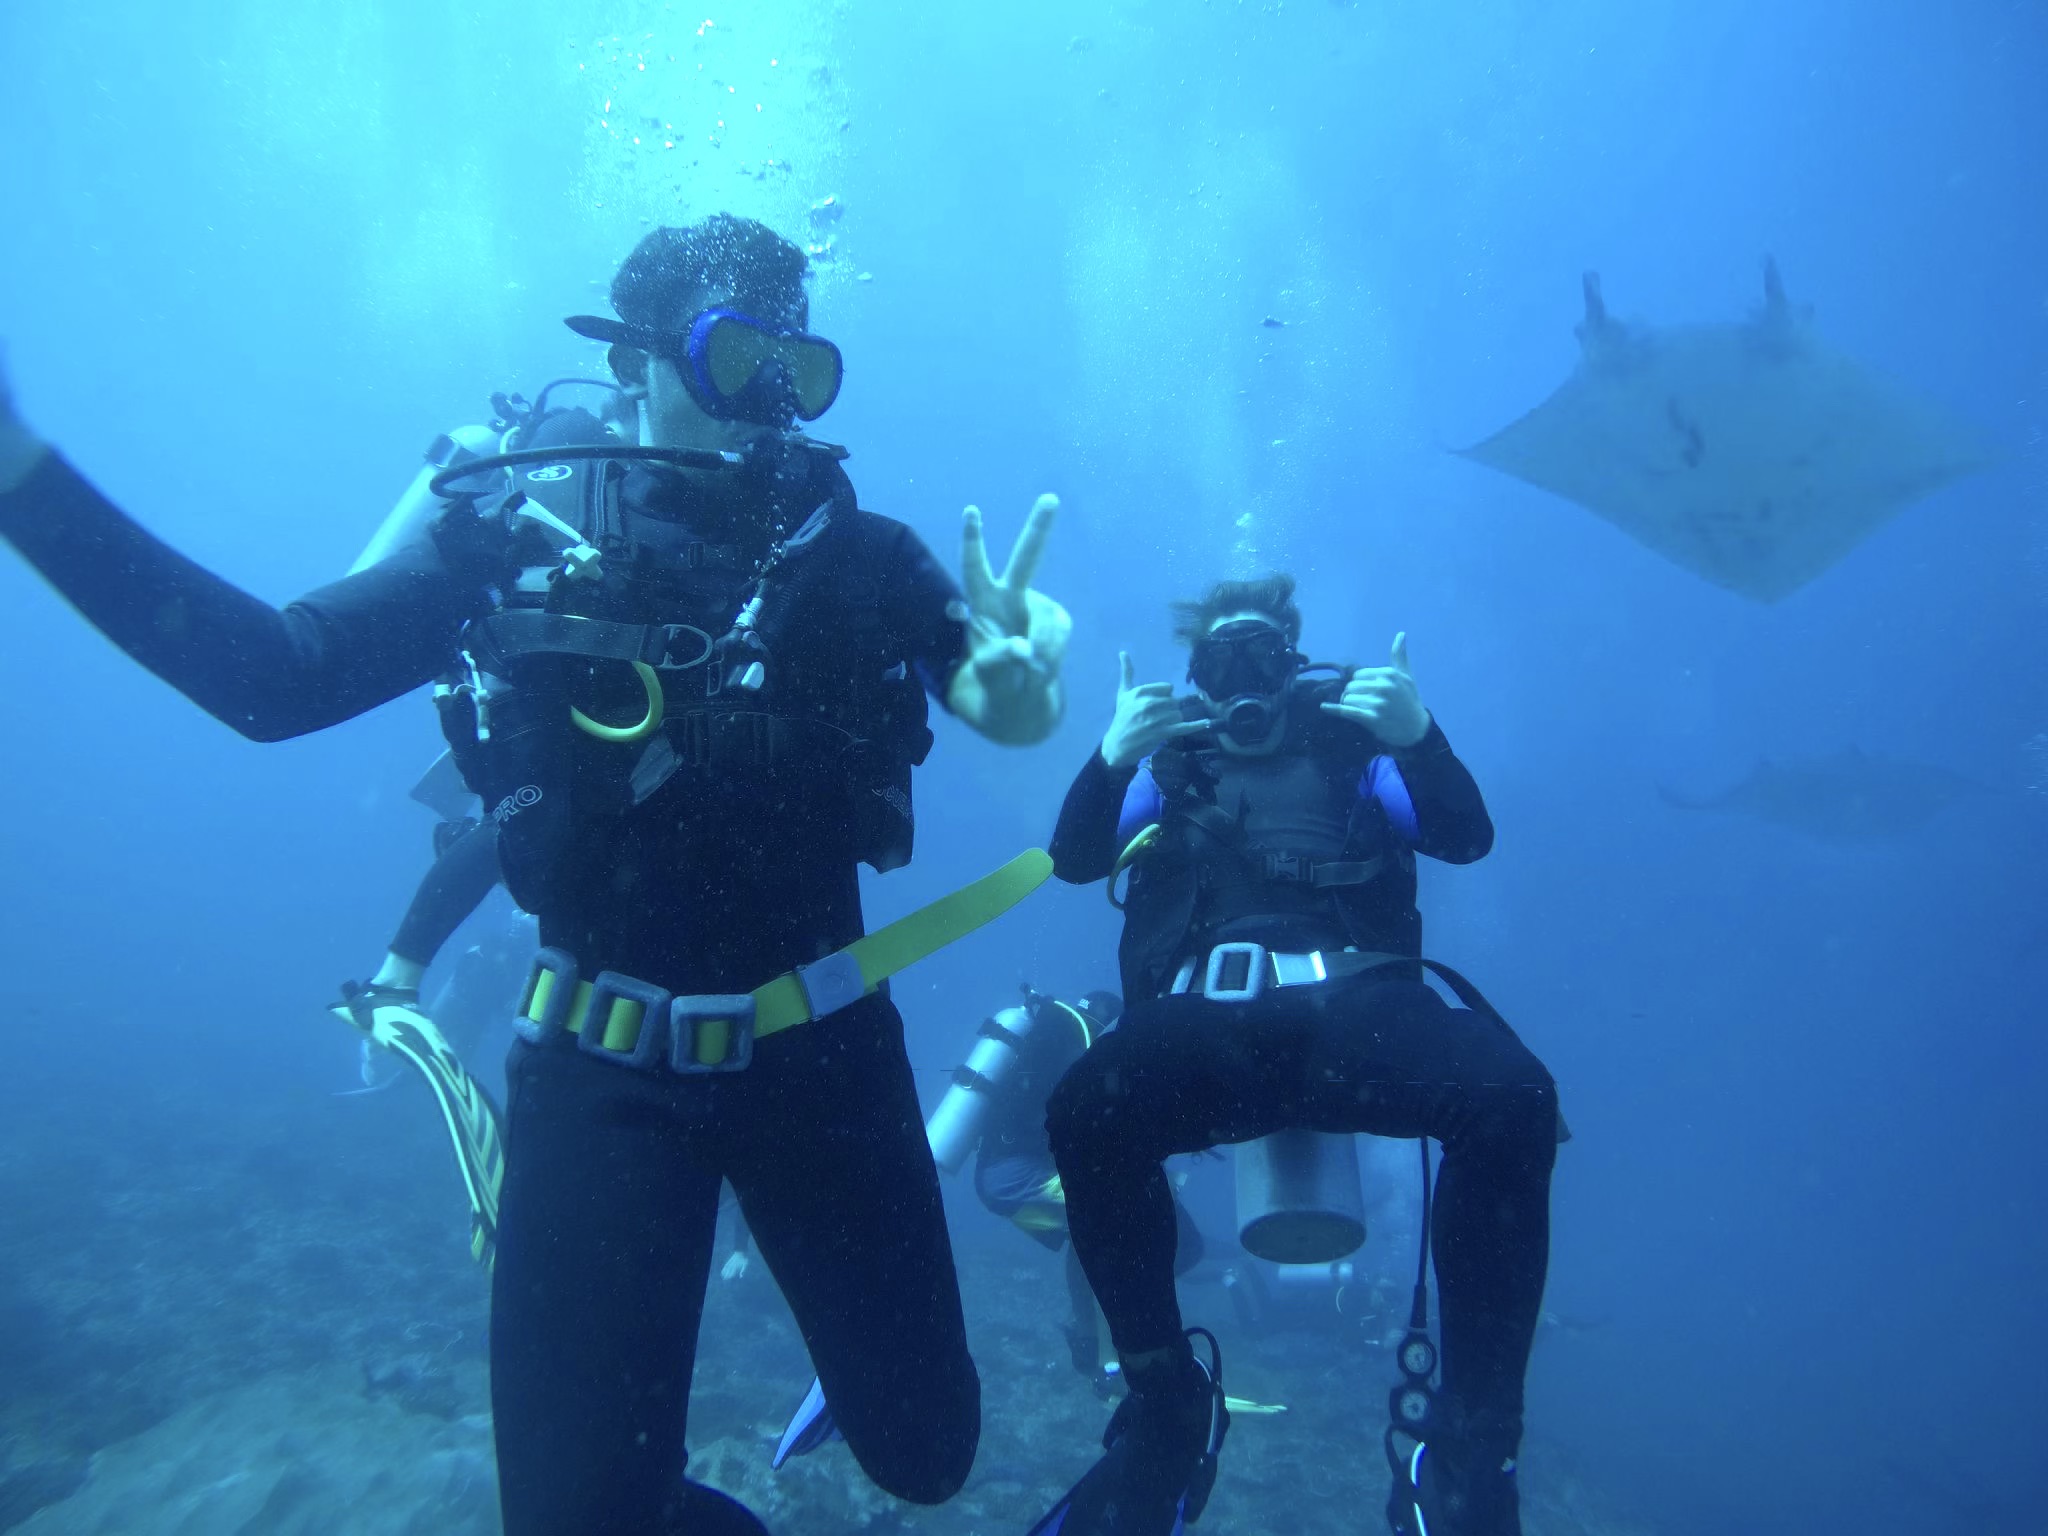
x: 1378, y: 1052
x: 464, y: 872
x: 612, y: 1183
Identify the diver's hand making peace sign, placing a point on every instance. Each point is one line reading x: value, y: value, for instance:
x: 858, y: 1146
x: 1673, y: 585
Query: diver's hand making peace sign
x: 1008, y: 687
x: 20, y: 449
x: 1385, y: 700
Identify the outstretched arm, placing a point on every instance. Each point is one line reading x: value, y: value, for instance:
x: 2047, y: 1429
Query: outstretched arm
x: 265, y: 672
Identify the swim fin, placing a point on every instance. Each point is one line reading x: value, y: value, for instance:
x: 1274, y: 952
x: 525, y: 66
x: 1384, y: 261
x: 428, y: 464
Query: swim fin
x: 810, y: 1427
x: 474, y: 1126
x: 1251, y: 1409
x: 1126, y: 1492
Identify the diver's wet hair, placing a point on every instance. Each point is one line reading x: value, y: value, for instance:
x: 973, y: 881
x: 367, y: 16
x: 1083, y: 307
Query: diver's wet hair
x: 672, y: 270
x: 1273, y: 596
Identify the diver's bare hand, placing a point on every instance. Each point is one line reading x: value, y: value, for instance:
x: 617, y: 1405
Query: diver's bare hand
x: 1008, y: 688
x: 1385, y: 700
x: 1006, y: 608
x: 20, y: 449
x: 1147, y: 717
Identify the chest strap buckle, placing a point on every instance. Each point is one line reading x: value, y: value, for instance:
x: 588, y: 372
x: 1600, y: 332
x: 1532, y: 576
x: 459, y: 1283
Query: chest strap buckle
x: 682, y: 646
x: 1286, y: 866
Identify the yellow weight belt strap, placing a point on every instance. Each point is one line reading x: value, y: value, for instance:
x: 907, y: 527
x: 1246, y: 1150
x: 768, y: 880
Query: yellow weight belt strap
x: 782, y: 1002
x: 466, y: 1110
x: 799, y: 996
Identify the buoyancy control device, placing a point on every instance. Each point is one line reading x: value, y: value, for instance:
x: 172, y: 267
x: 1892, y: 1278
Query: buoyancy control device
x: 1282, y: 840
x: 626, y: 649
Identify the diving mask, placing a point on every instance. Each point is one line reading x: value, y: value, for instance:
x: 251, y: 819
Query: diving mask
x: 1245, y: 668
x: 738, y: 367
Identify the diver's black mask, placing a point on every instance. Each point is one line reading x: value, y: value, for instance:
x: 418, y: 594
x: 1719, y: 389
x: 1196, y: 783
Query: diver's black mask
x: 1248, y: 666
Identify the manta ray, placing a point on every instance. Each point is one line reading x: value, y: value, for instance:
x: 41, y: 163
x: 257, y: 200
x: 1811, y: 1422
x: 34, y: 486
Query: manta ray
x: 1847, y: 797
x: 1751, y: 454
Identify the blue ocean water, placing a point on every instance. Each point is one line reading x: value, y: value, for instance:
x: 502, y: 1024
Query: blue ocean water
x: 256, y: 256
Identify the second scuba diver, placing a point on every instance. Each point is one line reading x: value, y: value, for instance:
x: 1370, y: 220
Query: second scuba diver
x: 1271, y: 962
x: 691, y: 699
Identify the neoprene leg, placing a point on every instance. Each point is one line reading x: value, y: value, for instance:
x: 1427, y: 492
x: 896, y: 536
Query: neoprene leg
x: 1391, y: 1058
x: 604, y: 1246
x: 1084, y: 1329
x: 1492, y: 1250
x: 1175, y: 1075
x: 1387, y: 1057
x: 837, y: 1183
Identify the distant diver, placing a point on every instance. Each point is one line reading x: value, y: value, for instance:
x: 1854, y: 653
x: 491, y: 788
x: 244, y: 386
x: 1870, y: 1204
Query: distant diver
x: 386, y: 1009
x: 995, y: 1113
x: 1850, y: 796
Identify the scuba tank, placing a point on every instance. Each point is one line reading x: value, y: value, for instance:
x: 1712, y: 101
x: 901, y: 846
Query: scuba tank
x: 954, y: 1129
x: 514, y: 424
x: 1299, y: 1199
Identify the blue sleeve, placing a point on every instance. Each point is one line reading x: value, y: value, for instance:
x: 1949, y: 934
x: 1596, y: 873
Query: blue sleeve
x: 1382, y: 781
x: 1142, y: 804
x: 1430, y: 800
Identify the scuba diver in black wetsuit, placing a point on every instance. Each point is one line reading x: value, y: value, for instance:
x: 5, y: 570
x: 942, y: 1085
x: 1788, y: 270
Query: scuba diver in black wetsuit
x: 1271, y: 965
x: 691, y: 697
